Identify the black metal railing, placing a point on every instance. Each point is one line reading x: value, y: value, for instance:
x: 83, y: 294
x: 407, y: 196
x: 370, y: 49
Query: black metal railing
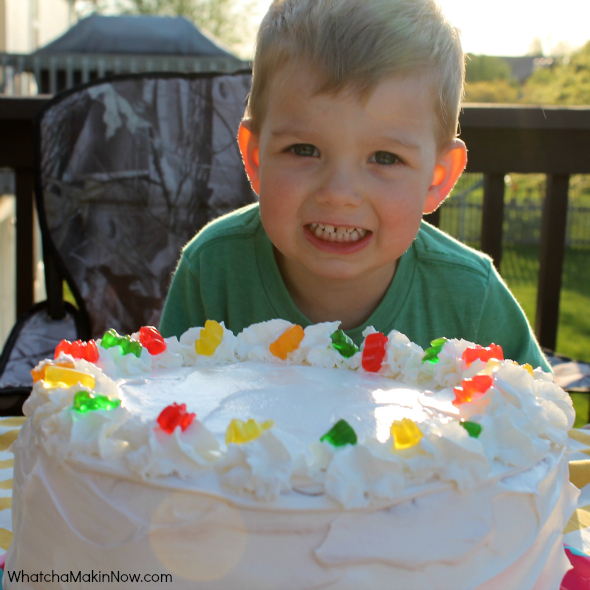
x: 501, y: 140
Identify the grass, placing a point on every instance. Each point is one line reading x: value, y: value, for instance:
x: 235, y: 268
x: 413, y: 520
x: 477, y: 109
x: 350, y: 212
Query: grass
x: 520, y: 269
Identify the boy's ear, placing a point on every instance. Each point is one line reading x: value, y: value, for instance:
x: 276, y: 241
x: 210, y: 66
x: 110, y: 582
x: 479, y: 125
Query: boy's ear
x: 446, y: 173
x: 248, y: 142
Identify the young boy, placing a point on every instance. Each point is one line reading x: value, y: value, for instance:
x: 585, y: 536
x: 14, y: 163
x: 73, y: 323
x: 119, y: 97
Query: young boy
x: 349, y: 138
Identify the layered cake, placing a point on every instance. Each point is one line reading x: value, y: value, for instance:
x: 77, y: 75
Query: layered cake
x: 284, y: 458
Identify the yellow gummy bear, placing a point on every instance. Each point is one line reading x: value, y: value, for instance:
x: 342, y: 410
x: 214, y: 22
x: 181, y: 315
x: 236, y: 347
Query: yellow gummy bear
x: 529, y: 368
x: 287, y: 342
x: 405, y: 434
x: 240, y: 432
x: 63, y: 377
x: 210, y: 338
x: 39, y: 374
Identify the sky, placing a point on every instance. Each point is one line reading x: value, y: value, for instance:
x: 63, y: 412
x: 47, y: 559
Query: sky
x: 509, y: 27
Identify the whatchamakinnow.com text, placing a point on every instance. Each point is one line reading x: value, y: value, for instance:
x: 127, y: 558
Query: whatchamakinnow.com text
x: 100, y: 577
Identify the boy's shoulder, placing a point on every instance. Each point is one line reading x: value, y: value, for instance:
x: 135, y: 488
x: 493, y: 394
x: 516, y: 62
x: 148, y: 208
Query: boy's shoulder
x: 434, y: 247
x: 241, y: 224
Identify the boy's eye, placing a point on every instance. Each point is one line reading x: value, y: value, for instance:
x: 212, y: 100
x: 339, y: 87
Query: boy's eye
x: 305, y: 150
x: 384, y: 158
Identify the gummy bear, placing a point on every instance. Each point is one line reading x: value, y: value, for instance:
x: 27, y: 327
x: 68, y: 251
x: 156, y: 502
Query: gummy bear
x: 340, y: 434
x: 56, y: 376
x: 493, y: 351
x: 78, y: 349
x: 110, y: 339
x: 127, y: 344
x: 374, y: 352
x: 405, y: 433
x: 287, y: 342
x: 85, y: 402
x: 210, y: 338
x: 431, y: 354
x: 343, y: 344
x: 175, y: 415
x: 150, y: 338
x: 240, y: 432
x: 130, y: 346
x: 39, y: 374
x: 472, y: 389
x: 473, y: 428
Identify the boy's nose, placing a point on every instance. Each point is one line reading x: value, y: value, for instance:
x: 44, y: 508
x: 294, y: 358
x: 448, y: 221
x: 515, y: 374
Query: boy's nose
x: 339, y: 188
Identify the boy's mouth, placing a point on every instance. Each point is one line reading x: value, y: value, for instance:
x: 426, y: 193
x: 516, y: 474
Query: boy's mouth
x: 331, y: 233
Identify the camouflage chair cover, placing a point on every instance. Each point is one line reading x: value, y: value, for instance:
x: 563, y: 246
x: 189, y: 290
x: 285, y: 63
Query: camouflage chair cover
x: 128, y: 170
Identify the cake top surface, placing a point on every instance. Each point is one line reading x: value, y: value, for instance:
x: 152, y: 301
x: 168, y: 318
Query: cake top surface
x: 284, y: 413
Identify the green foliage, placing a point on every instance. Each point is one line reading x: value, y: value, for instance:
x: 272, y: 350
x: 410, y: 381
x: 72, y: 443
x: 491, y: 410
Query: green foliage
x: 480, y: 68
x: 499, y: 90
x: 226, y: 20
x: 568, y: 83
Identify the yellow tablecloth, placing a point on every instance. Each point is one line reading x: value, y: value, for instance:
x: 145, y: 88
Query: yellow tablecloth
x: 576, y: 534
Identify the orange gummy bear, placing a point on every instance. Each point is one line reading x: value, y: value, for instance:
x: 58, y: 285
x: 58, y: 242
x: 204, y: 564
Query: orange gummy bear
x: 287, y: 342
x: 472, y: 389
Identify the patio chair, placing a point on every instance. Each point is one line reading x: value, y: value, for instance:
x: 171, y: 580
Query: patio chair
x: 128, y: 169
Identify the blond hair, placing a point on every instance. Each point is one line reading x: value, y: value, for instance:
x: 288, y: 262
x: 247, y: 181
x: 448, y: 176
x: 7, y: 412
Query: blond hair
x: 356, y: 44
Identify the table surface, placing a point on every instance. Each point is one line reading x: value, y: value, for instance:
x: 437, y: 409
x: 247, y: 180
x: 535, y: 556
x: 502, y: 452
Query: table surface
x: 576, y: 533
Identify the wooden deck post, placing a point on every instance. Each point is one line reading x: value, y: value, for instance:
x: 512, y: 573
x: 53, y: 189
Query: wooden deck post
x: 553, y: 227
x: 25, y: 251
x: 492, y: 217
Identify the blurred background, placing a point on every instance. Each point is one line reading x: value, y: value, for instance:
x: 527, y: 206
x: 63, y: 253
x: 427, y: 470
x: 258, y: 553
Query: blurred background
x: 520, y: 52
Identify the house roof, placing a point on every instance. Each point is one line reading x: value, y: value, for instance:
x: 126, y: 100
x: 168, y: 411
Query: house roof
x: 161, y: 35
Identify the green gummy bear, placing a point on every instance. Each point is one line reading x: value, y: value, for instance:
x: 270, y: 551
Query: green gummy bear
x: 85, y: 402
x: 340, y: 434
x: 431, y: 354
x: 473, y: 428
x: 127, y: 344
x: 110, y: 339
x: 343, y: 344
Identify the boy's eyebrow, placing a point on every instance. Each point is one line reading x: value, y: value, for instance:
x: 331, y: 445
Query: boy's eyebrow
x: 287, y: 130
x: 404, y: 142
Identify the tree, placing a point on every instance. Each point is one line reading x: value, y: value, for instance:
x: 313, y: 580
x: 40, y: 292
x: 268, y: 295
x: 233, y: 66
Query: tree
x: 226, y: 20
x: 567, y: 83
x: 486, y: 67
x: 84, y: 8
x: 491, y: 91
x: 536, y: 48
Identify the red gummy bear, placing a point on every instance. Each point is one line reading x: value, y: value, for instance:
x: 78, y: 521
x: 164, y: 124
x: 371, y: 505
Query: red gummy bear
x: 493, y: 351
x: 472, y: 389
x: 78, y: 349
x: 175, y: 415
x: 151, y: 339
x: 374, y: 352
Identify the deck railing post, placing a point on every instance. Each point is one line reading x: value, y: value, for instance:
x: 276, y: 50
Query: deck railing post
x: 25, y: 251
x: 492, y: 217
x: 553, y: 228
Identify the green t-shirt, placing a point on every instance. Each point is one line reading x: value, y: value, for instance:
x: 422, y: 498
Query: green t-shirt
x: 228, y: 273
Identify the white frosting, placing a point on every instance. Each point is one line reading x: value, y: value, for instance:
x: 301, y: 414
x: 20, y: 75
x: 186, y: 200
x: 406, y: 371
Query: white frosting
x: 435, y: 515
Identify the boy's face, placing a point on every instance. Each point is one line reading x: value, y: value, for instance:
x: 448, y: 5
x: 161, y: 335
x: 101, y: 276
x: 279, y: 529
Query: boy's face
x: 343, y: 183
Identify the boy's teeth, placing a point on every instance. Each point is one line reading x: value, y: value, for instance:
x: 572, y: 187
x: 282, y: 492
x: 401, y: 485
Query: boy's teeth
x: 337, y: 234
